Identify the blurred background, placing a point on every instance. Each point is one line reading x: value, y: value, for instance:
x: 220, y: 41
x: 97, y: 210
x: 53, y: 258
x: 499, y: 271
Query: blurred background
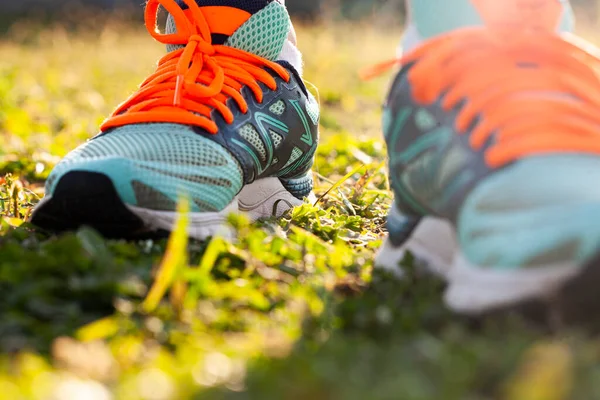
x: 299, y: 8
x: 385, y: 12
x: 67, y: 11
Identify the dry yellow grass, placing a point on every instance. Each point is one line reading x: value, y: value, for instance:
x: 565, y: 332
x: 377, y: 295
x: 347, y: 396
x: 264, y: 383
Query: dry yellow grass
x: 60, y: 76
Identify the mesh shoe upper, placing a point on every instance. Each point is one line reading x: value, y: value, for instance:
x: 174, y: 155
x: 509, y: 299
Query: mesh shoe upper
x: 538, y: 211
x: 151, y: 165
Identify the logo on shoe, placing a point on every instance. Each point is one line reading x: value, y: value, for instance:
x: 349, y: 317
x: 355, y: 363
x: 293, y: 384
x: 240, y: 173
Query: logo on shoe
x: 306, y: 136
x: 263, y: 121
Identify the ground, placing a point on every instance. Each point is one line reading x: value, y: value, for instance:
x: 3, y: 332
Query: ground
x: 292, y: 309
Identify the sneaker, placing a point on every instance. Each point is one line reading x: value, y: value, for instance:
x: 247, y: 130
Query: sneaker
x: 429, y: 18
x: 225, y: 120
x: 494, y: 139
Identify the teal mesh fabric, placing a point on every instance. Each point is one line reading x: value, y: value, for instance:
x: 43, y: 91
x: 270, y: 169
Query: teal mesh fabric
x: 152, y: 165
x: 537, y: 212
x: 265, y: 33
x: 278, y: 108
x: 296, y: 154
x: 313, y: 109
x: 171, y: 28
x: 251, y: 135
x: 276, y: 138
x: 434, y: 17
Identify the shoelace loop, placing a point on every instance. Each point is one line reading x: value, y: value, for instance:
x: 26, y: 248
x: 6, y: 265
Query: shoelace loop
x: 191, y: 82
x: 520, y: 93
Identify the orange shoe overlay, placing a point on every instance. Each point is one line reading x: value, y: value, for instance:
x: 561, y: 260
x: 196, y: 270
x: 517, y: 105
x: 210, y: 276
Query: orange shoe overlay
x: 526, y: 94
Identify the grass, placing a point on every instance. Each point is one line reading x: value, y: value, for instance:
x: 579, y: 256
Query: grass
x: 291, y: 309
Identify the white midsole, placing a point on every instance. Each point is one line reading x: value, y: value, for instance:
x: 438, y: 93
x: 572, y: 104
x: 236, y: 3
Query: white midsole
x: 201, y: 225
x: 266, y: 198
x: 262, y: 199
x: 473, y: 289
x: 432, y: 242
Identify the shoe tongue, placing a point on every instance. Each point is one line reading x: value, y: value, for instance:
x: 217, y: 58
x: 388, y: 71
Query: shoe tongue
x: 260, y: 27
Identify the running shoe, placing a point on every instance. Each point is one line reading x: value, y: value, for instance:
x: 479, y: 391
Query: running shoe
x: 225, y: 121
x: 494, y: 144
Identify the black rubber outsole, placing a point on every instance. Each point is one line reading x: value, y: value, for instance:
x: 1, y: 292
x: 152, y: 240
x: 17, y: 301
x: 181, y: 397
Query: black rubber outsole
x: 84, y: 198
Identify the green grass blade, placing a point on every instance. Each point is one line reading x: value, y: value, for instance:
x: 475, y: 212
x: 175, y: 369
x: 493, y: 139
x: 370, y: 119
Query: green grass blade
x: 175, y: 258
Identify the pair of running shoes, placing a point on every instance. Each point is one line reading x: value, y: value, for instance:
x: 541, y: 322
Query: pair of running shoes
x: 493, y: 135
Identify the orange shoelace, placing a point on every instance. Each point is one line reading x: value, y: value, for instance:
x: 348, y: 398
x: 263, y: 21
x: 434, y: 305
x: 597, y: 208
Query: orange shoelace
x: 527, y: 93
x: 191, y: 82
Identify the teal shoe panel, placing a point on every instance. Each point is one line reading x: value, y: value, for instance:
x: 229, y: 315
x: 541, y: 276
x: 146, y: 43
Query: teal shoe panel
x: 539, y: 211
x: 434, y: 17
x: 152, y: 165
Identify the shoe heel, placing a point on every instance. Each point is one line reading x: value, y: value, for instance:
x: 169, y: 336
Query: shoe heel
x: 431, y: 240
x: 400, y: 226
x: 301, y: 187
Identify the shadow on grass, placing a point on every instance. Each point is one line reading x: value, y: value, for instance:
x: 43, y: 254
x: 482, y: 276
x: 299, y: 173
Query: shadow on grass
x: 50, y: 287
x: 392, y: 340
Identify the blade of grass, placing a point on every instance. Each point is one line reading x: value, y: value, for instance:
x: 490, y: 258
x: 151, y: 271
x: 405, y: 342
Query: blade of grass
x: 546, y: 374
x: 339, y: 183
x: 98, y: 330
x: 174, y: 259
x: 212, y: 253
